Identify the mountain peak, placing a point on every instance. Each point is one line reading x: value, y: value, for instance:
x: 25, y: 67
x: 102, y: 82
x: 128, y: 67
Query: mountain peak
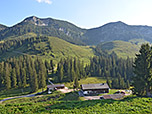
x: 36, y: 21
x: 2, y: 27
x: 118, y: 23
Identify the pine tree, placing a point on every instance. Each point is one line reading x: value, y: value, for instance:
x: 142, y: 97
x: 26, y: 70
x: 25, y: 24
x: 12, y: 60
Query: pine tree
x: 42, y: 75
x: 14, y: 79
x: 1, y: 75
x: 61, y: 73
x: 34, y: 81
x: 7, y: 76
x: 68, y: 71
x: 108, y: 82
x: 142, y: 69
x: 23, y: 73
x: 76, y: 83
x: 52, y: 66
x: 128, y: 84
x: 19, y: 82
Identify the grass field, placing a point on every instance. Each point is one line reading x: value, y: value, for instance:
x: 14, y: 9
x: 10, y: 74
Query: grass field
x: 89, y: 80
x: 121, y: 48
x: 58, y: 103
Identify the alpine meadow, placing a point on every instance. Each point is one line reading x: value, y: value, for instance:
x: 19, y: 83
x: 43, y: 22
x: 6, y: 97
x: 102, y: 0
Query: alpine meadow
x: 53, y: 66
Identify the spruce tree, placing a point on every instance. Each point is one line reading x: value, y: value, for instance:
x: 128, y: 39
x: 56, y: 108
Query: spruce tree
x: 52, y: 66
x: 61, y: 73
x: 35, y: 81
x: 1, y: 74
x: 18, y: 74
x: 76, y: 83
x: 14, y: 79
x: 142, y: 69
x: 23, y: 72
x: 42, y: 75
x: 7, y: 76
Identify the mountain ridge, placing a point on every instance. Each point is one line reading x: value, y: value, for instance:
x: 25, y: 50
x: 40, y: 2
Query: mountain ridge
x: 67, y: 31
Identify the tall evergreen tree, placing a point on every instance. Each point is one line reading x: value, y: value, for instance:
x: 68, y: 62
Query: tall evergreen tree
x: 7, y: 76
x: 1, y: 75
x: 34, y: 81
x: 42, y: 75
x: 14, y: 79
x: 52, y: 66
x: 23, y: 73
x: 142, y: 69
x: 19, y: 82
x: 61, y: 73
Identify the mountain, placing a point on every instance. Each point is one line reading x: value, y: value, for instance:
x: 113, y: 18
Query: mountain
x: 2, y: 27
x: 47, y: 26
x: 117, y: 31
x: 119, y: 37
x: 76, y: 35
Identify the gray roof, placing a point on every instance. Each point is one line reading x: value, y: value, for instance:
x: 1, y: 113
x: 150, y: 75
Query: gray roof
x: 55, y: 85
x: 95, y: 86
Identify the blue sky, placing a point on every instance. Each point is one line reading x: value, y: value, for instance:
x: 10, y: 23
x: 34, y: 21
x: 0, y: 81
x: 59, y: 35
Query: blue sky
x: 83, y: 13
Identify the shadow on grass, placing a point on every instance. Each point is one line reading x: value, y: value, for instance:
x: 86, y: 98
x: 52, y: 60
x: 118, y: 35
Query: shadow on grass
x: 14, y: 92
x: 84, y: 104
x: 79, y: 104
x: 70, y: 96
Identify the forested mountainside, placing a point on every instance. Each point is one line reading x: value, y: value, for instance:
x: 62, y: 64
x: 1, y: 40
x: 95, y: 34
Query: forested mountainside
x: 73, y: 34
x: 48, y: 27
x: 44, y: 47
x: 117, y: 31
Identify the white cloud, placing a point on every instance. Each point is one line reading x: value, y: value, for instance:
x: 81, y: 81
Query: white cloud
x: 45, y: 1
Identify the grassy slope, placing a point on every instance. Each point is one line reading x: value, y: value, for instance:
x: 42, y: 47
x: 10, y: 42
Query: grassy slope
x: 60, y: 49
x: 89, y: 80
x: 56, y: 104
x: 121, y: 48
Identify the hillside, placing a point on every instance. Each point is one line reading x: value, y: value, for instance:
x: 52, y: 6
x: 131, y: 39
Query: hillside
x: 47, y: 48
x: 47, y: 26
x: 127, y: 38
x: 76, y: 35
x: 121, y: 48
x: 2, y: 27
x: 55, y: 103
x: 117, y: 31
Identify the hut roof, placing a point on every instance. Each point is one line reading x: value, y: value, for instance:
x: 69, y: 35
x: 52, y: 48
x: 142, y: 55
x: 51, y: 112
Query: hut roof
x: 55, y: 86
x: 94, y: 86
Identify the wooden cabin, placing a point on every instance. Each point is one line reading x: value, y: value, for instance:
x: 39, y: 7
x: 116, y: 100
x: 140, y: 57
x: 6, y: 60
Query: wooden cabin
x: 54, y: 87
x: 91, y: 89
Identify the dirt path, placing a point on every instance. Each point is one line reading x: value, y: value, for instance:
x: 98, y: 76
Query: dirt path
x: 91, y: 97
x: 65, y: 90
x: 30, y: 95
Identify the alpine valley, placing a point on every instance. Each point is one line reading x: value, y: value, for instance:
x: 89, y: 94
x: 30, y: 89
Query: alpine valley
x: 56, y: 39
x: 53, y: 66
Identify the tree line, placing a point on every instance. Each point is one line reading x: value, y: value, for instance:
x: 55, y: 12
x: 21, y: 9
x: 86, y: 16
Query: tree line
x: 8, y: 45
x: 22, y: 72
x: 116, y: 71
x: 70, y: 70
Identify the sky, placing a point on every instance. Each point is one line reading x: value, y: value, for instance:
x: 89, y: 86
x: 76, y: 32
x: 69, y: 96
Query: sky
x: 83, y: 13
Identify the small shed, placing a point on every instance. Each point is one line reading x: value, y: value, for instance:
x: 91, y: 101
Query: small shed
x: 54, y: 87
x: 89, y: 89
